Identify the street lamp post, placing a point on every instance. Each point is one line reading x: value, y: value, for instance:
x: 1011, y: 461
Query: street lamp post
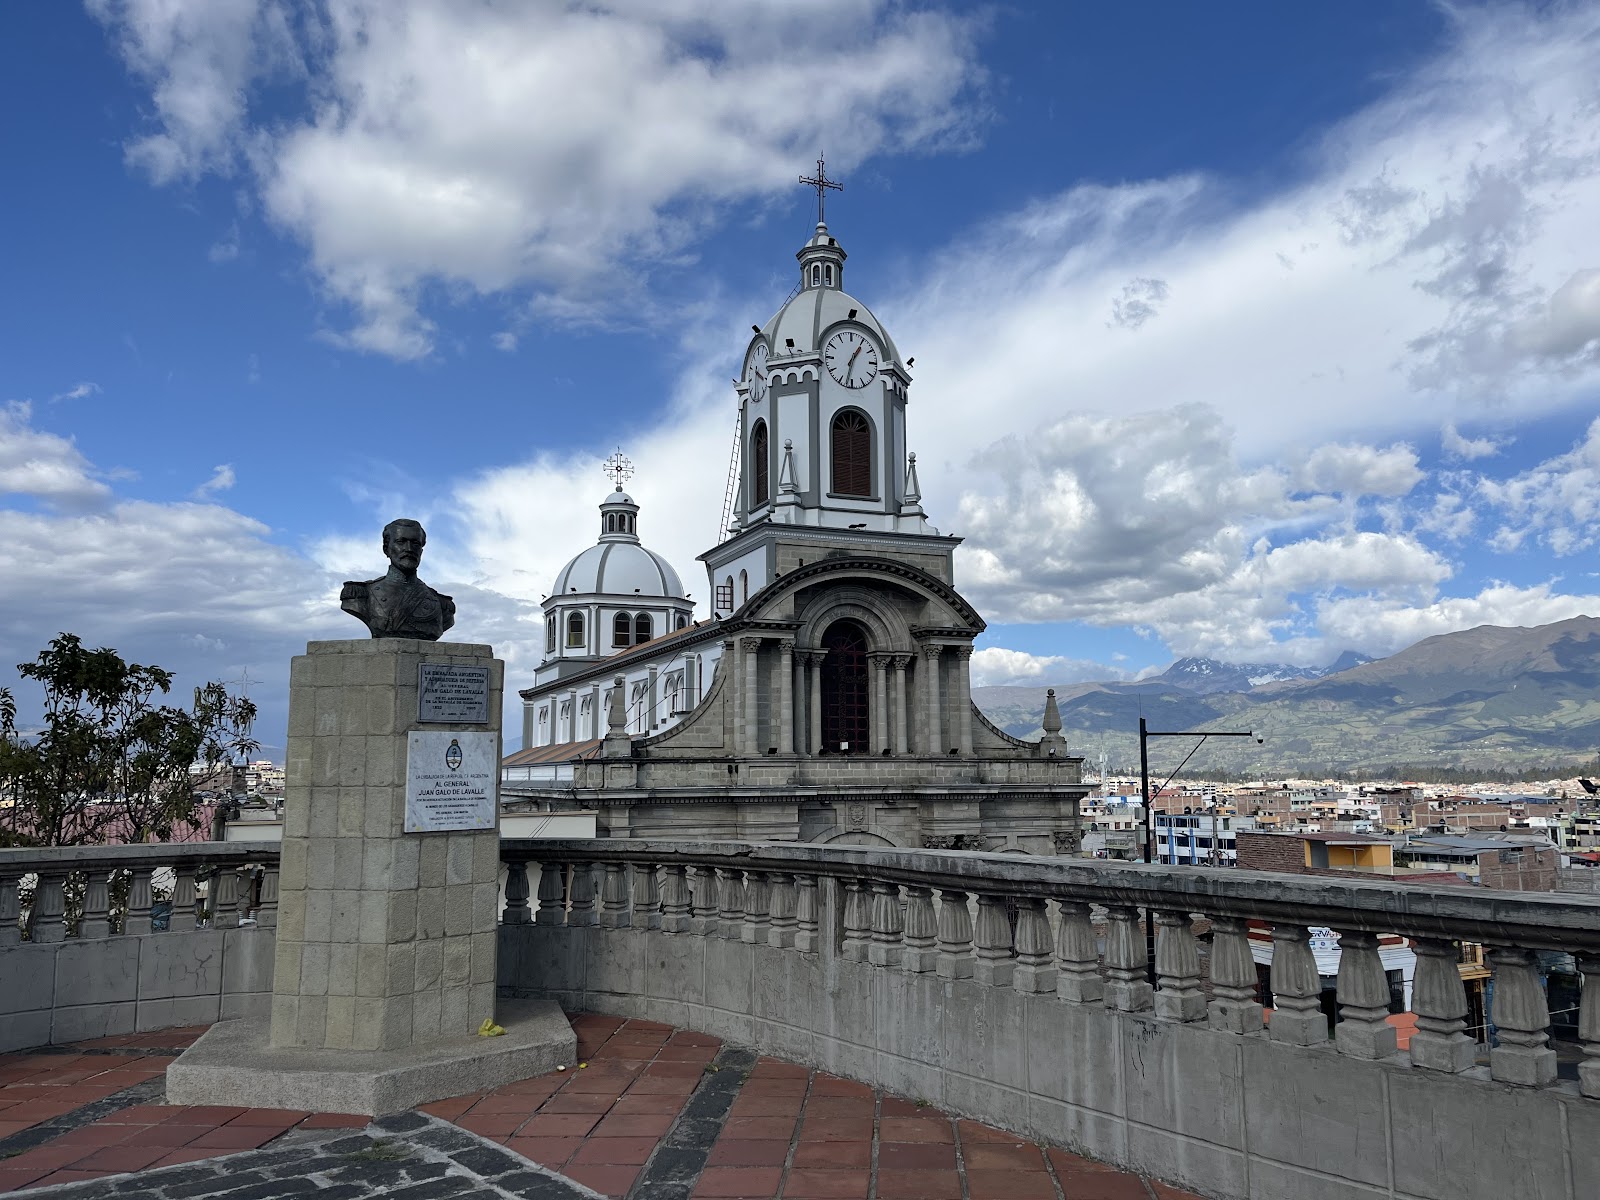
x: 1145, y: 734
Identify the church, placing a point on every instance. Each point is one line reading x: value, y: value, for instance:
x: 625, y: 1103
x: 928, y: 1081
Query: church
x: 827, y: 697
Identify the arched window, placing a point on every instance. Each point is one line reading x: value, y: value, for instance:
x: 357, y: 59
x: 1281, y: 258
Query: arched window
x: 816, y: 274
x: 643, y: 628
x: 622, y: 630
x: 575, y: 638
x: 683, y: 621
x: 852, y: 454
x: 828, y: 274
x: 758, y: 463
x: 727, y: 586
x: 845, y: 715
x: 550, y: 633
x: 611, y: 522
x: 744, y: 586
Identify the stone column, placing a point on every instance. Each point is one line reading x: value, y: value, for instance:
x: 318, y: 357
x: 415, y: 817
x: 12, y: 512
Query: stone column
x: 597, y: 710
x: 963, y: 702
x: 797, y: 683
x: 786, y: 697
x: 1522, y: 1016
x: 386, y: 939
x: 572, y: 717
x: 750, y: 726
x: 1440, y: 1003
x: 901, y: 744
x: 880, y: 705
x: 814, y: 697
x: 1363, y: 1030
x: 931, y: 700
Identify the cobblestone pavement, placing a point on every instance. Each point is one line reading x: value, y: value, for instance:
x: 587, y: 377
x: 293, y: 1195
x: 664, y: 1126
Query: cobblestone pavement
x: 651, y: 1114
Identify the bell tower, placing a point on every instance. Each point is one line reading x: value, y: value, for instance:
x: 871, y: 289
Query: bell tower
x: 823, y: 457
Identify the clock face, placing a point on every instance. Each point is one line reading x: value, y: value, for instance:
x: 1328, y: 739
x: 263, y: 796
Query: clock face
x: 852, y: 358
x: 756, y: 372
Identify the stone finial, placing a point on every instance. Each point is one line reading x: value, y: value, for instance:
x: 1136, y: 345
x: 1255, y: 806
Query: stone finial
x: 786, y: 482
x: 1052, y: 714
x: 912, y: 504
x: 616, y: 711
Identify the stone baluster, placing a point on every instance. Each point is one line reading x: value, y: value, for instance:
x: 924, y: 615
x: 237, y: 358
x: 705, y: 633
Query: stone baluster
x: 704, y: 901
x: 920, y: 938
x: 10, y: 912
x: 267, y: 913
x: 517, y: 910
x: 224, y: 899
x: 1363, y: 1030
x: 1439, y: 1001
x: 954, y: 936
x: 1233, y: 1005
x: 730, y: 919
x: 676, y: 903
x: 807, y: 934
x: 552, y: 894
x: 1297, y: 1017
x: 1035, y: 969
x: 857, y: 922
x: 883, y: 949
x: 1178, y: 995
x: 614, y: 912
x: 1521, y: 1018
x: 1589, y: 1026
x: 991, y: 943
x: 582, y: 913
x: 646, y: 896
x: 49, y: 906
x: 95, y: 922
x: 781, y: 931
x: 182, y: 918
x: 1077, y: 956
x: 757, y: 908
x: 137, y: 919
x: 1127, y: 984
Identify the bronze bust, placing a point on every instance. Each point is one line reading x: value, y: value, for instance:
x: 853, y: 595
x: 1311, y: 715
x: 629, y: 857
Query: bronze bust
x: 398, y: 604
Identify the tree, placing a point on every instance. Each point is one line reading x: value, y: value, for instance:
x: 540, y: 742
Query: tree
x: 110, y: 763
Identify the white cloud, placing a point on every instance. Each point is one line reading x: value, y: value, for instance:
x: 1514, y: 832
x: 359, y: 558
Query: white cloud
x: 994, y: 666
x: 1381, y: 627
x: 555, y: 151
x: 78, y: 392
x: 1465, y: 449
x: 44, y: 465
x: 222, y: 478
x: 1356, y: 471
x: 1556, y: 503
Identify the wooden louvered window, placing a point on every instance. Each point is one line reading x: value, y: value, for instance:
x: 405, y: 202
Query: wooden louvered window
x: 852, y: 455
x: 758, y: 463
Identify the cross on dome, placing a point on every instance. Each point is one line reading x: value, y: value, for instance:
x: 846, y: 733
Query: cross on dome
x: 822, y: 183
x: 618, y: 468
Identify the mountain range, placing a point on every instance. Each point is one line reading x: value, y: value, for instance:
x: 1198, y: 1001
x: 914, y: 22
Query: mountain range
x: 1490, y: 698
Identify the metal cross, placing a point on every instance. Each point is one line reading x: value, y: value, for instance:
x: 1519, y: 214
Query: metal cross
x: 822, y: 183
x: 618, y: 468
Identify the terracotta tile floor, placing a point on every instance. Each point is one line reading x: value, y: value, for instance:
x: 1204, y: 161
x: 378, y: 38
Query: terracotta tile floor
x: 790, y: 1132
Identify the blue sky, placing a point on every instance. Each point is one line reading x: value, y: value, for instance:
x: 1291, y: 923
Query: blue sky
x: 1261, y: 331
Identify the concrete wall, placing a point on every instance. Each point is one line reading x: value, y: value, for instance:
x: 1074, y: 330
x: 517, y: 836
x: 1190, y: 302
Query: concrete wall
x: 1224, y: 1114
x: 78, y: 989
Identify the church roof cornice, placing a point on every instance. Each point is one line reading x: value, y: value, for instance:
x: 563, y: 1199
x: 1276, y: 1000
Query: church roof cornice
x: 859, y: 564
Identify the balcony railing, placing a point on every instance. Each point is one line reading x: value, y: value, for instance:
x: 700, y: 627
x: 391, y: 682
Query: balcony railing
x: 1024, y: 924
x: 87, y: 892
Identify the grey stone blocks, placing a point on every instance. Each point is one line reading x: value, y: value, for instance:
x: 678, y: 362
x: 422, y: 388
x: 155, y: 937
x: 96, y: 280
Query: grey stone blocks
x: 386, y: 939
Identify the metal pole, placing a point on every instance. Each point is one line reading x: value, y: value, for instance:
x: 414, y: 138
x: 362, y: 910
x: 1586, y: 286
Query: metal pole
x: 1144, y: 789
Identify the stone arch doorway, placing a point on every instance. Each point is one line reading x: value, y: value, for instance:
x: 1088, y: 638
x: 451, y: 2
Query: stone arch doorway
x: 846, y: 719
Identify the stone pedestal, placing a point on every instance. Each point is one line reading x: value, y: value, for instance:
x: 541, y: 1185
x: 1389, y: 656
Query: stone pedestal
x: 386, y: 939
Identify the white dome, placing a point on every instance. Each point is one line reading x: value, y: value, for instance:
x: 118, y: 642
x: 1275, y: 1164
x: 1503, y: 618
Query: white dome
x: 813, y: 310
x: 619, y: 568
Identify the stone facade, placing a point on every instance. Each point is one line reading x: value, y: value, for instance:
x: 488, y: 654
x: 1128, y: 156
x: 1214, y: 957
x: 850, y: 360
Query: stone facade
x: 385, y: 939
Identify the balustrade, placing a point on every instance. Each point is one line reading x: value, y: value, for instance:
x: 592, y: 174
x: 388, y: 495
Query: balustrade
x: 91, y: 893
x: 987, y: 919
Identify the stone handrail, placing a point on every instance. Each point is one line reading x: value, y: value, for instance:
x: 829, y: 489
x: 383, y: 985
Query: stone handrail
x: 767, y: 893
x: 245, y: 876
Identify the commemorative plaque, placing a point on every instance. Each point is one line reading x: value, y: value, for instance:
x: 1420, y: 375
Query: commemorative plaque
x: 448, y: 694
x: 451, y: 780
